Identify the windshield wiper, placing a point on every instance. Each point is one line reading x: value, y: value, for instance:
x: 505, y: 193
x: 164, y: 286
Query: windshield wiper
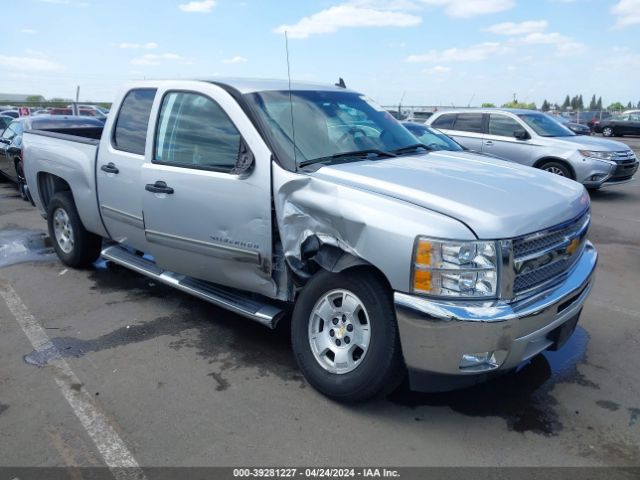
x: 411, y: 148
x: 355, y: 153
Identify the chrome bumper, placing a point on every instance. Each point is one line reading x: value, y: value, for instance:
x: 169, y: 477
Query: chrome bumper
x: 436, y: 334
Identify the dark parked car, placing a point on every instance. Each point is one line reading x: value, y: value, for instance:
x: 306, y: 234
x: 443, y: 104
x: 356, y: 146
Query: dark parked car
x: 4, y: 122
x: 433, y: 138
x: 619, y: 125
x: 11, y: 165
x: 576, y: 128
x: 10, y: 113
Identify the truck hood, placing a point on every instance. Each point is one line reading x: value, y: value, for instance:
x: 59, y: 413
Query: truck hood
x: 583, y: 142
x: 494, y: 198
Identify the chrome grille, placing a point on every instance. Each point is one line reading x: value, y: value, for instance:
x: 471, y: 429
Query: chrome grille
x: 542, y: 258
x: 624, y: 155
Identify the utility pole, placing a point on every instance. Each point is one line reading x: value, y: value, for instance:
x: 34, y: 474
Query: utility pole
x: 76, y: 109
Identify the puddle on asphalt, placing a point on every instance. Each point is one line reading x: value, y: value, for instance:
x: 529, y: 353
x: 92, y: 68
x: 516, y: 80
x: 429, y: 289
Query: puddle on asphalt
x: 523, y: 398
x: 19, y: 246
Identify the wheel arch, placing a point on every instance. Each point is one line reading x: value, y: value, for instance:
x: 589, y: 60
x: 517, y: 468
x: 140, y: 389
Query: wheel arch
x: 50, y: 184
x: 543, y: 160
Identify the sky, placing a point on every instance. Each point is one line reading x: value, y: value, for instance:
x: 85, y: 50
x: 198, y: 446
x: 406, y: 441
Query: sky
x: 425, y: 52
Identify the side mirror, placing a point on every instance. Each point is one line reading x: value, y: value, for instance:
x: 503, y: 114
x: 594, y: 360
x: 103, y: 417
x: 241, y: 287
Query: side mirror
x: 521, y: 135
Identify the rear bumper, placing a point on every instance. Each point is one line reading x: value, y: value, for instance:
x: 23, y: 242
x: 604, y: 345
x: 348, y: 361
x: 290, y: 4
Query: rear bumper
x: 435, y: 334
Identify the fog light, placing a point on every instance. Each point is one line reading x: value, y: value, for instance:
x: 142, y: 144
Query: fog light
x: 599, y: 176
x: 482, y: 361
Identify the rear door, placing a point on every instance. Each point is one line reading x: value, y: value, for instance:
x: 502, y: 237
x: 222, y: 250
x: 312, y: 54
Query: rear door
x: 204, y: 216
x: 468, y: 130
x: 120, y: 159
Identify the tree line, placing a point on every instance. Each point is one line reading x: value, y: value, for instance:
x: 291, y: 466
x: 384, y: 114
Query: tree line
x: 576, y: 103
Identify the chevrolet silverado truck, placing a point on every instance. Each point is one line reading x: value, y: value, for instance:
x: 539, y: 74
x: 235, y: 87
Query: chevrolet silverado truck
x: 270, y: 199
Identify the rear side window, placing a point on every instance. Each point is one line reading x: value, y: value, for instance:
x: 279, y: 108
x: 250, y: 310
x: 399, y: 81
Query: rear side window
x: 503, y: 125
x: 469, y: 122
x: 130, y: 132
x: 194, y: 131
x: 445, y: 121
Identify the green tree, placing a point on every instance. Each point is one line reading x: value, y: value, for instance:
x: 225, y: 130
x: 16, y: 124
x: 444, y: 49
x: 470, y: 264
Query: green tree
x: 35, y: 98
x: 488, y: 105
x: 580, y: 103
x: 545, y: 106
x: 574, y: 102
x: 599, y: 104
x: 567, y: 103
x: 516, y: 104
x: 616, y: 106
x: 593, y: 104
x: 629, y: 106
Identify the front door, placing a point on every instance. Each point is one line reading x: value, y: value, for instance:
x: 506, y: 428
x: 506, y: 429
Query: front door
x: 203, y: 218
x: 501, y: 142
x: 120, y: 161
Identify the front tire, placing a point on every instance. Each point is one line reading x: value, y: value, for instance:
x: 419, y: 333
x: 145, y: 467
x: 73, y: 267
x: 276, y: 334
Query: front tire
x: 607, y: 132
x: 75, y: 246
x: 22, y: 184
x: 345, y: 337
x: 557, y: 168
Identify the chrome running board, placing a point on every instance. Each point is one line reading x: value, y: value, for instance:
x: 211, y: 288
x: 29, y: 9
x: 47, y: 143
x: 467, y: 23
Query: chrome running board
x: 232, y: 300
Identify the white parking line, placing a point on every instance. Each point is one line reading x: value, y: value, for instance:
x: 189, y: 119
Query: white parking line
x: 114, y: 452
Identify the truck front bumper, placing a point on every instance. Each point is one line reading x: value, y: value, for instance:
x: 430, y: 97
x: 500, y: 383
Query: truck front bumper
x: 449, y: 345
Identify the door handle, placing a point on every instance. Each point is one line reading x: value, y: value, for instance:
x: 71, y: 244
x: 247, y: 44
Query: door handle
x: 488, y: 143
x: 158, y: 187
x: 109, y: 168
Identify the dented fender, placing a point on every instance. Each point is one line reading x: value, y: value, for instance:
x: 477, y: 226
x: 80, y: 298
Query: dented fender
x: 369, y: 227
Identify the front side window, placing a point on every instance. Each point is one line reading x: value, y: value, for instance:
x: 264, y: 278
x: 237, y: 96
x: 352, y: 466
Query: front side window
x: 130, y: 133
x: 194, y: 131
x: 10, y: 132
x: 503, y: 126
x: 469, y: 122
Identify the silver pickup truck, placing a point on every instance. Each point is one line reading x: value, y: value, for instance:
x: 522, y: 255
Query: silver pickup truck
x: 265, y: 199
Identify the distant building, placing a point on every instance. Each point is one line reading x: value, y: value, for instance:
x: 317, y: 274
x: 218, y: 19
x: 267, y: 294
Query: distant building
x: 18, y: 97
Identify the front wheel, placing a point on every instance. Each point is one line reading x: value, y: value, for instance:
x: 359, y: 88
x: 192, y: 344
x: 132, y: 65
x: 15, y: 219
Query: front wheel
x: 22, y: 184
x: 75, y: 246
x: 557, y: 168
x: 607, y: 132
x: 345, y: 338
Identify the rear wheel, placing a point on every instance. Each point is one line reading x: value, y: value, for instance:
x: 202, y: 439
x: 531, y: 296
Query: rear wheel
x: 557, y: 168
x: 75, y: 246
x: 607, y: 132
x: 345, y: 338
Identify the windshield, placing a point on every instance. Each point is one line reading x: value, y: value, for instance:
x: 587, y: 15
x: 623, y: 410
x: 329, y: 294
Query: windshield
x: 434, y: 139
x: 326, y: 124
x: 545, y: 126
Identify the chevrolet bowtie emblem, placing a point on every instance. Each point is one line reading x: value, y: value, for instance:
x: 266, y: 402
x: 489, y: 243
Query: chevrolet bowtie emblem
x: 573, y: 246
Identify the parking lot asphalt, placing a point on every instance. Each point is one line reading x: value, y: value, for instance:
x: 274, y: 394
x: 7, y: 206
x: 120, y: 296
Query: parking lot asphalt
x: 183, y: 383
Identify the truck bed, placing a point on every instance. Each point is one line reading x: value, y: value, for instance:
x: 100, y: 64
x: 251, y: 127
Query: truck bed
x: 64, y: 156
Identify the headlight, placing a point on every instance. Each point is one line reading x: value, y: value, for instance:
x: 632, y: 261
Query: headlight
x: 446, y: 268
x: 599, y: 155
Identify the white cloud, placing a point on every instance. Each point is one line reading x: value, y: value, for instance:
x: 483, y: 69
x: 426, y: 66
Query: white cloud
x: 352, y: 15
x: 471, y: 8
x: 438, y: 69
x: 155, y: 58
x: 136, y: 46
x: 204, y: 6
x: 29, y: 31
x: 29, y: 64
x: 627, y: 13
x: 236, y: 59
x: 522, y: 28
x: 473, y: 53
x: 564, y: 45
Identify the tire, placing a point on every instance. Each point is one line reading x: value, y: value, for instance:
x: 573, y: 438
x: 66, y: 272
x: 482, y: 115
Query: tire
x: 557, y: 168
x: 368, y: 372
x: 21, y: 181
x: 75, y: 246
x: 607, y: 132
